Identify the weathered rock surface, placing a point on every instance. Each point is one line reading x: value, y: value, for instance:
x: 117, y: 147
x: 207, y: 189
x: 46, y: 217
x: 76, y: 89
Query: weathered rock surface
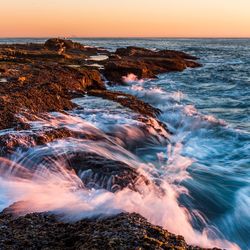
x: 40, y: 78
x: 127, y: 100
x: 72, y: 48
x: 42, y: 87
x: 10, y: 142
x: 145, y: 63
x: 142, y: 52
x: 44, y: 77
x: 123, y: 231
x: 57, y: 43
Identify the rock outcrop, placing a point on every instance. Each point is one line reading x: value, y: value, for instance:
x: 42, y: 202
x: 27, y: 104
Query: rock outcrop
x: 57, y: 43
x: 36, y: 79
x: 44, y: 77
x: 123, y: 231
x: 145, y: 63
x: 127, y: 100
x: 42, y: 87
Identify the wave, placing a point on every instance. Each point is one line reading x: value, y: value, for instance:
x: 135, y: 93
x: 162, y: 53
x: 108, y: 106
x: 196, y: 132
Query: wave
x: 184, y: 167
x: 61, y: 192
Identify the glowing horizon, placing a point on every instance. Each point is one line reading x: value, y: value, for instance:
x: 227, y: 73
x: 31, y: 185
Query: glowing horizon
x: 130, y: 18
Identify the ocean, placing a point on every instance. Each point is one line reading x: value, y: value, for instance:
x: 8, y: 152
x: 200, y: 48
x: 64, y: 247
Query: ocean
x: 204, y: 167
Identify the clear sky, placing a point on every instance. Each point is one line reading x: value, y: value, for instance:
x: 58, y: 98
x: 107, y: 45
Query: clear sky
x: 125, y: 18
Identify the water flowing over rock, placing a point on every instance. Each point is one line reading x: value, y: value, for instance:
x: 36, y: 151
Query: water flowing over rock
x: 45, y: 141
x: 128, y: 101
x: 99, y: 172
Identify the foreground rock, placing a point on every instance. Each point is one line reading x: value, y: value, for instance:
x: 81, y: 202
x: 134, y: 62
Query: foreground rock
x: 124, y: 231
x: 41, y: 87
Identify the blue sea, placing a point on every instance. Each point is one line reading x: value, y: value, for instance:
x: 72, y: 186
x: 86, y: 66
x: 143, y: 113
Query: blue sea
x: 204, y: 166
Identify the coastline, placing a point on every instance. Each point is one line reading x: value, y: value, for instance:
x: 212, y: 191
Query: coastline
x: 37, y: 79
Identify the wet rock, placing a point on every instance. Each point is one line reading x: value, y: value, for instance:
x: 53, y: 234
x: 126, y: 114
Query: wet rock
x: 102, y: 173
x: 43, y: 79
x: 116, y: 70
x: 10, y: 142
x: 145, y: 63
x: 28, y: 137
x: 128, y: 101
x: 122, y: 231
x: 43, y: 87
x: 142, y: 52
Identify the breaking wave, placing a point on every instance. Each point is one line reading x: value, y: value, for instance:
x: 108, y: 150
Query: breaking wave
x: 193, y: 179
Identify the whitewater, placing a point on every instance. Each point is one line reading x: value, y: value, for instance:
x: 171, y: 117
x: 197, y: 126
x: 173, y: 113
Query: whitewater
x: 201, y: 164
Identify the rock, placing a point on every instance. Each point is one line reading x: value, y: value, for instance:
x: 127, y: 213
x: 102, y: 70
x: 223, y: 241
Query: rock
x: 70, y: 48
x: 116, y: 70
x: 128, y: 101
x: 142, y: 52
x: 57, y: 43
x: 10, y: 142
x: 42, y: 80
x: 135, y: 51
x: 42, y: 87
x: 102, y: 173
x: 122, y: 231
x: 145, y: 63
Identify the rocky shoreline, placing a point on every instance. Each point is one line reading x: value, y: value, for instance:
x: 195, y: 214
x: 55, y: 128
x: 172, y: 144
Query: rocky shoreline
x: 36, y: 79
x: 124, y: 231
x: 45, y: 77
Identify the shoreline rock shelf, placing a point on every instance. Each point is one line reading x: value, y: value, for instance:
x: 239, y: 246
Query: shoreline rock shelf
x: 36, y: 79
x: 123, y: 231
x: 40, y: 77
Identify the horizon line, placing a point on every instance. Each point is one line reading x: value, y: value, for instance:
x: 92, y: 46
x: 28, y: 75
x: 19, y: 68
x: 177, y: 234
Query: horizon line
x: 122, y: 37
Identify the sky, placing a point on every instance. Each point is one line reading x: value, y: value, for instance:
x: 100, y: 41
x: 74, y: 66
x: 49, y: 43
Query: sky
x: 125, y: 18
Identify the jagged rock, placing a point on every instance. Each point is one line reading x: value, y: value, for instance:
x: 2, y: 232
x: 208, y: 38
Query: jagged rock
x: 10, y: 142
x: 142, y: 52
x: 122, y: 231
x: 39, y: 79
x: 44, y: 87
x: 128, y: 101
x: 102, y: 173
x: 116, y: 70
x: 145, y: 63
x: 57, y: 43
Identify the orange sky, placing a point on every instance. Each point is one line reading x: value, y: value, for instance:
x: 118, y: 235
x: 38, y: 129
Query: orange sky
x: 127, y: 18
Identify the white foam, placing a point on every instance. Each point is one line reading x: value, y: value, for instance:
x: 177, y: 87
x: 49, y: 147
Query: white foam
x: 3, y: 80
x: 58, y: 191
x: 131, y: 78
x: 98, y: 58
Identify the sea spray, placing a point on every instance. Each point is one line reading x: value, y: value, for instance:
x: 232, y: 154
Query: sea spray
x: 59, y: 191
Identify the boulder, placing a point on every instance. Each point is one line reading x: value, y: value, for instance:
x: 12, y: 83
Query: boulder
x: 58, y: 43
